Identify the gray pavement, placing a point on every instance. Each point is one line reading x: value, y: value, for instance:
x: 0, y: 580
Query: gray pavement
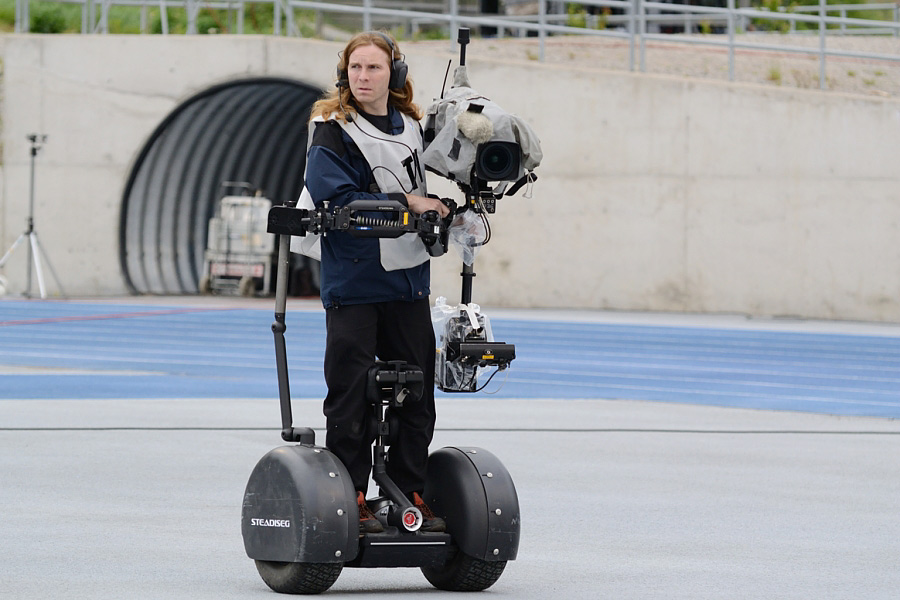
x: 620, y: 499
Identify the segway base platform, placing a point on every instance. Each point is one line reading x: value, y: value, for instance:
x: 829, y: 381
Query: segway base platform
x: 394, y: 549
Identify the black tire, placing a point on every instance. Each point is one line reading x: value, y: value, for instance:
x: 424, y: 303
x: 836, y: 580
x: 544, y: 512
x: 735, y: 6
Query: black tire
x: 465, y: 574
x: 298, y: 578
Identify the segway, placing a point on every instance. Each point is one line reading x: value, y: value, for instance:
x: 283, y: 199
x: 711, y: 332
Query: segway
x: 300, y: 515
x: 300, y: 518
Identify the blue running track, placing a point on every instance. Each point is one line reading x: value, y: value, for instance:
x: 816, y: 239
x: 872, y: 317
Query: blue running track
x: 70, y: 350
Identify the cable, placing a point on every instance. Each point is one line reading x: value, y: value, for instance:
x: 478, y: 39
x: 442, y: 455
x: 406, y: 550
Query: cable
x: 394, y: 175
x: 375, y: 137
x: 412, y: 153
x: 487, y: 228
x: 482, y: 214
x: 489, y: 380
x: 446, y: 73
x: 341, y: 103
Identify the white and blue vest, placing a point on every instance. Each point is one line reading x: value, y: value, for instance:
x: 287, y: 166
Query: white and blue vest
x: 395, y: 161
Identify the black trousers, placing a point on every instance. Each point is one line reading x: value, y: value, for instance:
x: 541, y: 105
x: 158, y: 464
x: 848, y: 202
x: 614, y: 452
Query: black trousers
x: 355, y: 336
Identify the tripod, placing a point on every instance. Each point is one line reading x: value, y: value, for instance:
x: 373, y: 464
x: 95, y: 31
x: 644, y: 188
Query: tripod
x: 35, y: 251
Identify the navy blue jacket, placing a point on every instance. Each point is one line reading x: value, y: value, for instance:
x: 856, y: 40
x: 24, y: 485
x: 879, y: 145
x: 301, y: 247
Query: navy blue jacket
x: 337, y: 172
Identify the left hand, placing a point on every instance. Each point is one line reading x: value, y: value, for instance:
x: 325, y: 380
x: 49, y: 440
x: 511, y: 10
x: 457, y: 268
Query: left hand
x: 421, y: 204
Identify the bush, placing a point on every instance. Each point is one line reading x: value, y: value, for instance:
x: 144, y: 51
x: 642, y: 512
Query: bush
x: 171, y: 21
x: 47, y: 19
x: 7, y: 15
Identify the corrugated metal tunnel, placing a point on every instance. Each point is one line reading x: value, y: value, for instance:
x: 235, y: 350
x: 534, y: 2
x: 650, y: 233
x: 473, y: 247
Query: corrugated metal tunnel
x: 251, y: 130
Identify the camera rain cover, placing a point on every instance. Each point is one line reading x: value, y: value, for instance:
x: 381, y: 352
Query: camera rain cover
x: 461, y: 121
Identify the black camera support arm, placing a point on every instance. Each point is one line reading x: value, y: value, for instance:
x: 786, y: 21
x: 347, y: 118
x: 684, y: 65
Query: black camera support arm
x: 396, y: 220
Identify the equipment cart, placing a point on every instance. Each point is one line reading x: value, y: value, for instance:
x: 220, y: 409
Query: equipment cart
x: 240, y: 253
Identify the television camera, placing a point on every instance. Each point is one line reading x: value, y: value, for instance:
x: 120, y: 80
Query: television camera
x: 471, y: 140
x: 489, y: 153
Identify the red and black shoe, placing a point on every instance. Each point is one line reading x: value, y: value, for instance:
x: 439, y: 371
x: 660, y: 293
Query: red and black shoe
x: 367, y: 521
x: 431, y: 523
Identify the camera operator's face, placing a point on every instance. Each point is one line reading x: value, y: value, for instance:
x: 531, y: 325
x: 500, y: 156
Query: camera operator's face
x: 369, y: 73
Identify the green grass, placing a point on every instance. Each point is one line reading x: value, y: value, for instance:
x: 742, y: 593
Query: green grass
x: 7, y: 15
x: 57, y: 17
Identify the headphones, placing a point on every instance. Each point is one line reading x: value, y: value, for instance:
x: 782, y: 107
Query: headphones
x: 399, y: 68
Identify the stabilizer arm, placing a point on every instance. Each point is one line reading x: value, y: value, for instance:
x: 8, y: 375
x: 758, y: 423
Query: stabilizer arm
x: 393, y: 220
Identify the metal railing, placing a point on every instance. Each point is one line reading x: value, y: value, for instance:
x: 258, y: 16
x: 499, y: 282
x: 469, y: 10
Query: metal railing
x: 636, y: 21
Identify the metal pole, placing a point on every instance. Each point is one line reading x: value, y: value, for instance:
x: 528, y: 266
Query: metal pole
x: 367, y: 15
x: 23, y: 20
x: 289, y: 25
x: 632, y: 31
x: 822, y: 11
x: 163, y: 17
x: 730, y: 40
x: 468, y: 272
x: 29, y: 229
x: 104, y: 17
x: 642, y: 29
x: 542, y: 32
x: 454, y: 21
x: 35, y: 250
x: 190, y: 7
x: 278, y: 328
x: 276, y: 9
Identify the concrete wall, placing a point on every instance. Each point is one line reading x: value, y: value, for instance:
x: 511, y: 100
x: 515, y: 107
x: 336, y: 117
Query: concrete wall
x: 99, y: 98
x: 655, y: 193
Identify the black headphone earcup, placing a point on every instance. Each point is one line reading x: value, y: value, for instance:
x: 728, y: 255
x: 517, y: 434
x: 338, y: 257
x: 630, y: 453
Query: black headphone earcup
x: 399, y: 70
x: 343, y: 80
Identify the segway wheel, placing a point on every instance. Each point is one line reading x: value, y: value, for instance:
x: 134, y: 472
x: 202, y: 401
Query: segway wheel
x: 298, y: 578
x: 464, y: 573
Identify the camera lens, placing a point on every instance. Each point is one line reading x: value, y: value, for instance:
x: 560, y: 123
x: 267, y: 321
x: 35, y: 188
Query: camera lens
x: 497, y: 161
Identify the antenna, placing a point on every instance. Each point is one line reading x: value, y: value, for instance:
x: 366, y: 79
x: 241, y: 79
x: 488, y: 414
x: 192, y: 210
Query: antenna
x: 463, y: 39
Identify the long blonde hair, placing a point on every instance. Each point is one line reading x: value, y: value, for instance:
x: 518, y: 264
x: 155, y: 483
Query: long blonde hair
x: 339, y: 101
